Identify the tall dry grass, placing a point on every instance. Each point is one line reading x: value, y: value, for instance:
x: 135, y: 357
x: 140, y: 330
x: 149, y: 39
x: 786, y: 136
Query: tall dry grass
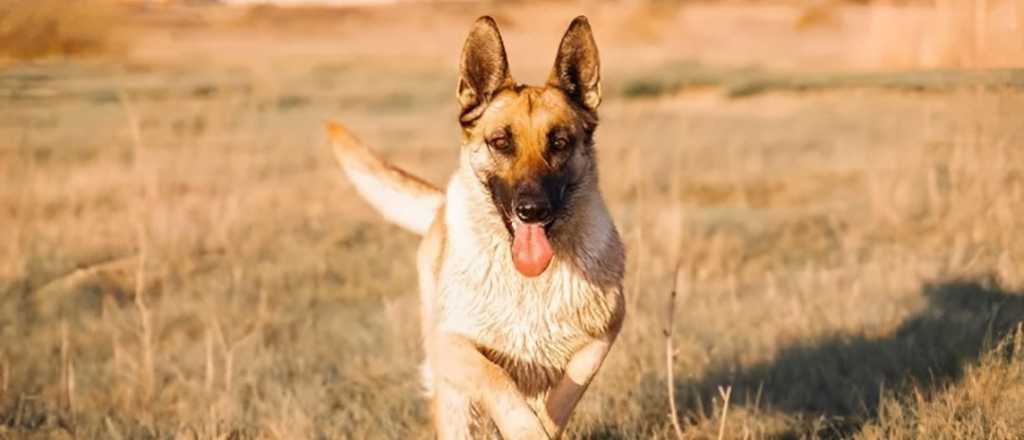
x: 186, y: 260
x: 985, y: 403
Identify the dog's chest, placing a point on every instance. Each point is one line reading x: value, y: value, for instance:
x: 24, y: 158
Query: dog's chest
x: 529, y: 326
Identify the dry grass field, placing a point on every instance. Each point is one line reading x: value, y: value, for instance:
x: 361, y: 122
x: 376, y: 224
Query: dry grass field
x: 180, y: 256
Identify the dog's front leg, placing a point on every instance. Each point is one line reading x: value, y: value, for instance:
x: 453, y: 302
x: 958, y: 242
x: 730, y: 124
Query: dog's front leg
x: 458, y: 363
x: 453, y: 415
x: 582, y: 368
x: 563, y: 398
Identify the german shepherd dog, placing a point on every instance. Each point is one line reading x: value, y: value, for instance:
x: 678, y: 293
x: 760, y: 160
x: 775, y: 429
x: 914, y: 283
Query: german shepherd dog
x: 520, y: 267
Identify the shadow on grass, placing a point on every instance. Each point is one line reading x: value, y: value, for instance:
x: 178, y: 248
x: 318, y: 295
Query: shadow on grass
x: 842, y: 378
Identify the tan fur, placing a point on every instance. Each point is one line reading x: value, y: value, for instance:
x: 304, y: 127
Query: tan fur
x: 403, y: 198
x: 505, y: 351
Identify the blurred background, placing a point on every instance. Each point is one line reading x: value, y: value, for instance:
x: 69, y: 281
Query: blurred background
x: 833, y: 188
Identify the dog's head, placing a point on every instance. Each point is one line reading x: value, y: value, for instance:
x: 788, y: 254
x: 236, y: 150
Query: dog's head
x: 531, y: 147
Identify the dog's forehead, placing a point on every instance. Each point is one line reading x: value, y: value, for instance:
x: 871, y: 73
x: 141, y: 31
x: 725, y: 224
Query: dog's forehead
x: 526, y: 109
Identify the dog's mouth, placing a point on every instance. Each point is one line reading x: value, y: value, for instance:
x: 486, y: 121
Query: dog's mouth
x: 531, y: 249
x: 531, y: 227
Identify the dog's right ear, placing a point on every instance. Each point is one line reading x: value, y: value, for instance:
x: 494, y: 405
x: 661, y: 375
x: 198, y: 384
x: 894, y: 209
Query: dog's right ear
x: 483, y: 70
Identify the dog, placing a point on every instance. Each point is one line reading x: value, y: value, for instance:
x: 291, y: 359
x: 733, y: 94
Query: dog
x: 520, y: 265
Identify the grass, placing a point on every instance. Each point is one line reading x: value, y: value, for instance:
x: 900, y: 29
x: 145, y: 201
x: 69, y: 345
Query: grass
x: 984, y: 403
x: 185, y: 259
x: 678, y: 77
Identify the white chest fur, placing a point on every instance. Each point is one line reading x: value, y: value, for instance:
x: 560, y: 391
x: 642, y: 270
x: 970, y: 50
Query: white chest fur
x: 529, y: 326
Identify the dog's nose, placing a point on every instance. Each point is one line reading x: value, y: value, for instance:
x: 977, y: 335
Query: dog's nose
x: 532, y: 211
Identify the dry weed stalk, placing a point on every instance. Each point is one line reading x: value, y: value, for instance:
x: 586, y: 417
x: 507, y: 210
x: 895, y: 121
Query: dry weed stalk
x: 145, y: 323
x: 5, y: 372
x: 670, y: 355
x: 639, y: 227
x: 208, y: 377
x: 111, y: 429
x: 146, y: 371
x: 725, y: 393
x: 229, y: 349
x: 4, y: 377
x: 67, y: 377
x: 1018, y: 340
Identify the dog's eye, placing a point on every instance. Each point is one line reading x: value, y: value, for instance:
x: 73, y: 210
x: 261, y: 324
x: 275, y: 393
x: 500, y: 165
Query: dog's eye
x: 559, y: 144
x: 500, y: 144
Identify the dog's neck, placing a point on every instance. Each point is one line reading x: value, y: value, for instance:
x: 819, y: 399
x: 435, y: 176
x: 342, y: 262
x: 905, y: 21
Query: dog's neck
x: 586, y: 238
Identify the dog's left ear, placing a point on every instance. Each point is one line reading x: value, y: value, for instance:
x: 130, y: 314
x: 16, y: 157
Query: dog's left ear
x: 577, y: 68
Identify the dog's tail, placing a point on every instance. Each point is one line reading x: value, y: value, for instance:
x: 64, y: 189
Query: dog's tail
x: 406, y: 200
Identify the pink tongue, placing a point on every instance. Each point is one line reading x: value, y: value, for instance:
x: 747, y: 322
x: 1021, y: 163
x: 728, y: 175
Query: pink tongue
x: 531, y: 251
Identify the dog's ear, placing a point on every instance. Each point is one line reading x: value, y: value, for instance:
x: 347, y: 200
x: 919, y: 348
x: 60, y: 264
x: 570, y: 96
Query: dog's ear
x: 483, y: 70
x: 577, y: 68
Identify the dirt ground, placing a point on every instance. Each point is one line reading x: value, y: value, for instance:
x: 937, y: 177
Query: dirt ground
x: 835, y: 202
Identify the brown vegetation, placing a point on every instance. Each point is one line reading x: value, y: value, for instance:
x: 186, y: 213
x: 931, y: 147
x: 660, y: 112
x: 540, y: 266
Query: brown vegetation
x: 182, y: 257
x: 43, y: 28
